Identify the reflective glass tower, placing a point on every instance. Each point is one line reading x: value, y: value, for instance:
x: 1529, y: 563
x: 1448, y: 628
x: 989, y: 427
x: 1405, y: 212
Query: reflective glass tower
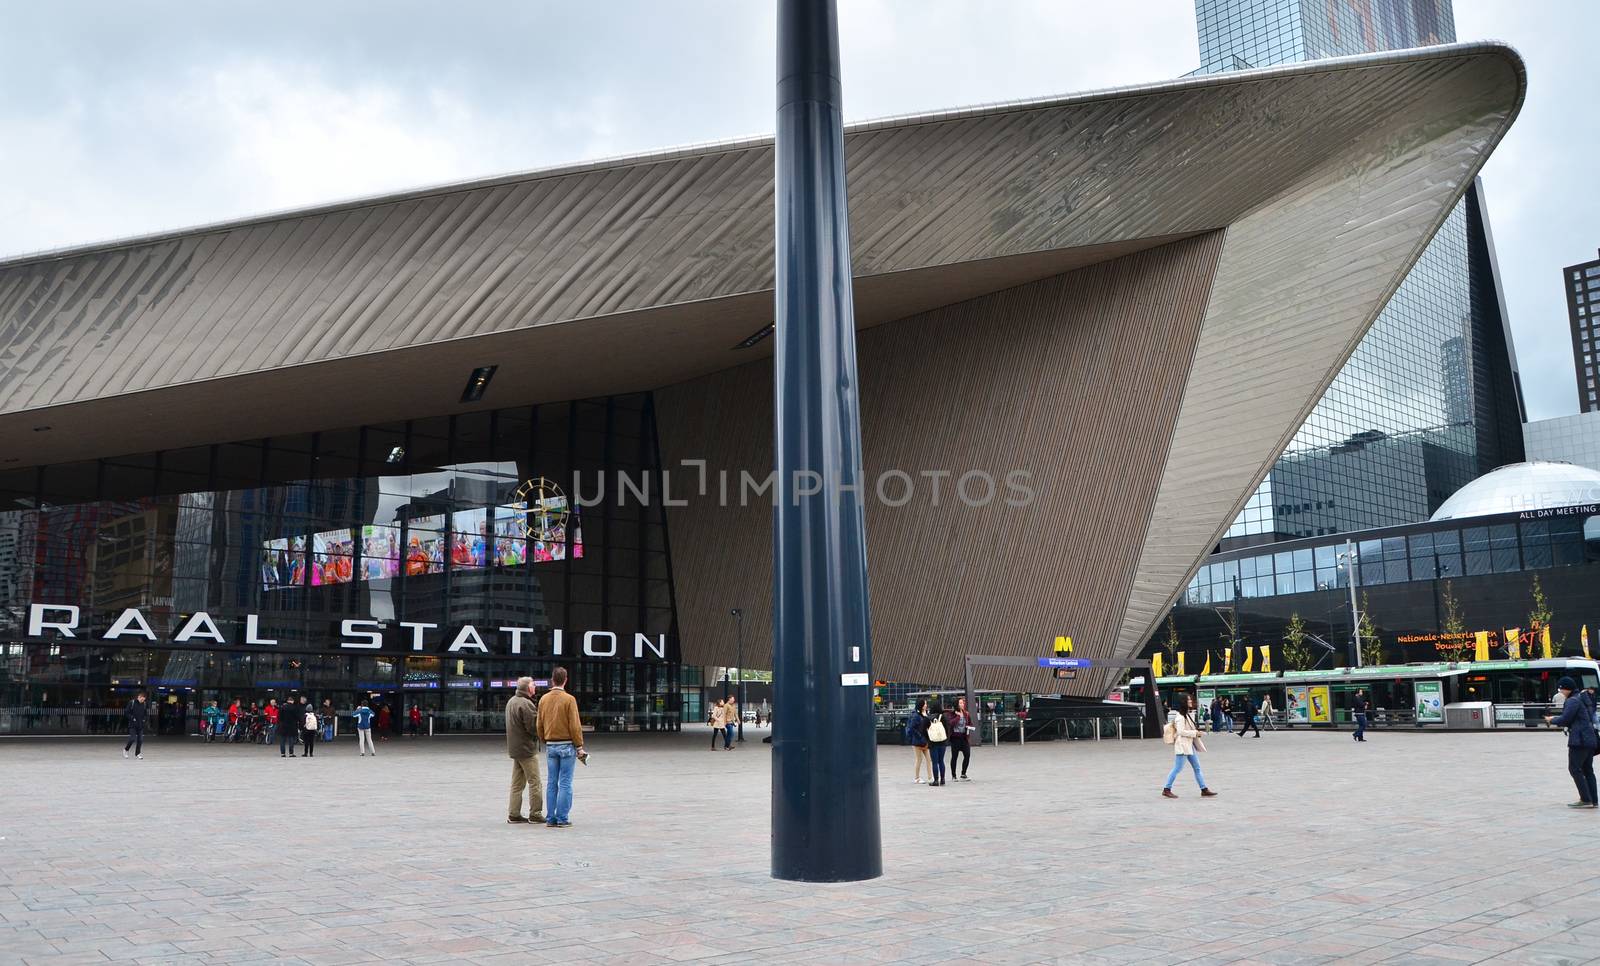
x: 1430, y: 398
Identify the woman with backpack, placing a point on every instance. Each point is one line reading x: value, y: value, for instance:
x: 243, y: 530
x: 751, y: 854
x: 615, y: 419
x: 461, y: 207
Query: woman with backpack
x: 917, y: 735
x: 1183, y: 735
x: 938, y: 741
x: 308, y: 729
x: 1577, y: 716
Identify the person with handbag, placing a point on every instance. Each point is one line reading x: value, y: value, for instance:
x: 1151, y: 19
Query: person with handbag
x: 959, y: 723
x: 1183, y: 735
x: 1577, y: 716
x: 938, y: 741
x: 917, y: 735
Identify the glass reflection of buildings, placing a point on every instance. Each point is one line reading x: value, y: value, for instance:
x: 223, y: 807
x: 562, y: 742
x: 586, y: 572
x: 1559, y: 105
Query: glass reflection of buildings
x: 1429, y: 400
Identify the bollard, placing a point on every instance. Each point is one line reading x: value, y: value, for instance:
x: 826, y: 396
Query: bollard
x: 430, y: 726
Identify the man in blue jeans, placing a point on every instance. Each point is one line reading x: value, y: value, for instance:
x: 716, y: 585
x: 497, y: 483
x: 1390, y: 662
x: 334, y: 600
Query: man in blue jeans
x: 1358, y: 709
x: 561, y: 730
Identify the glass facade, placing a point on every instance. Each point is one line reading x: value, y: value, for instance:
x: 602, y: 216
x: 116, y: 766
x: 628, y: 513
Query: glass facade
x: 427, y: 563
x: 1459, y: 548
x: 1583, y: 314
x: 1428, y: 589
x: 1240, y: 34
x: 1421, y: 407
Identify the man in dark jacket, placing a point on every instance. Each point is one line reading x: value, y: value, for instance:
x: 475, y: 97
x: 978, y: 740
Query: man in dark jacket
x: 522, y: 746
x: 1577, y: 716
x: 289, y: 718
x: 1247, y: 717
x: 1358, y: 710
x: 135, y: 712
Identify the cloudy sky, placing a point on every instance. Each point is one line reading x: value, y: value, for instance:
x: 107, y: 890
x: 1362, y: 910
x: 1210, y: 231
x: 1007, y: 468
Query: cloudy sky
x: 125, y: 118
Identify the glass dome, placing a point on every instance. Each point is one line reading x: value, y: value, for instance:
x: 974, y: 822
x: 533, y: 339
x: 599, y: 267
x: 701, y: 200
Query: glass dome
x: 1539, y: 485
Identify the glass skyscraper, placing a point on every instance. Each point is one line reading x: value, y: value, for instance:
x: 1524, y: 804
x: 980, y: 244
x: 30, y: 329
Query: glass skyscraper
x: 1430, y: 399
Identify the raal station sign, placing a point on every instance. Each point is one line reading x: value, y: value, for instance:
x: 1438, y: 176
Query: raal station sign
x: 63, y: 622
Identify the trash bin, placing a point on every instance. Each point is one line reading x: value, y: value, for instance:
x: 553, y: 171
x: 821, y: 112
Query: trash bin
x: 1469, y: 714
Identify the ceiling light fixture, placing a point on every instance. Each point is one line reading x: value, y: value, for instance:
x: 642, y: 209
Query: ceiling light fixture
x: 757, y: 336
x: 478, y: 383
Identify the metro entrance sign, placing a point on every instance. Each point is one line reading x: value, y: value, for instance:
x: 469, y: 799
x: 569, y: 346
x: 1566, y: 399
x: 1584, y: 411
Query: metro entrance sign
x: 1075, y: 663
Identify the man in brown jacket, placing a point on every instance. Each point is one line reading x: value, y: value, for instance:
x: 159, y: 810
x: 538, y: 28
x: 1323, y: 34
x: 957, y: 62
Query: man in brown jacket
x: 561, y: 730
x: 522, y: 745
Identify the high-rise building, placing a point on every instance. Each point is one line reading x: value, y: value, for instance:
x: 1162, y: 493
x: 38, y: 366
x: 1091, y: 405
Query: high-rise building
x: 1583, y: 313
x: 1430, y: 398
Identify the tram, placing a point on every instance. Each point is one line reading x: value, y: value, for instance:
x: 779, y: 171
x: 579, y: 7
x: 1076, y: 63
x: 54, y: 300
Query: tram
x: 1398, y: 694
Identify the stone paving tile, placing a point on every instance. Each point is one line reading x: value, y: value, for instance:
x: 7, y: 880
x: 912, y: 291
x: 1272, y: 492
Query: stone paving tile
x: 1411, y: 849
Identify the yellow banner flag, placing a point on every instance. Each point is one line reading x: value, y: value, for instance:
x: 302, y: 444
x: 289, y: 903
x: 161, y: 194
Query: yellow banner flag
x: 1249, y: 659
x: 1514, y: 643
x: 1266, y: 659
x: 1155, y: 665
x: 1180, y: 664
x: 1227, y: 661
x: 1544, y: 640
x: 1206, y: 671
x: 1586, y: 640
x: 1482, y: 640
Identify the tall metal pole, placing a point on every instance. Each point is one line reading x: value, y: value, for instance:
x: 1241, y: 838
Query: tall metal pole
x: 825, y: 757
x: 738, y: 618
x: 1355, y: 615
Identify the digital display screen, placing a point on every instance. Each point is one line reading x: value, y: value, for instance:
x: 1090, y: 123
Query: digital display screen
x: 510, y: 545
x: 283, y: 563
x: 332, y: 557
x: 425, y: 546
x: 380, y: 552
x: 469, y: 541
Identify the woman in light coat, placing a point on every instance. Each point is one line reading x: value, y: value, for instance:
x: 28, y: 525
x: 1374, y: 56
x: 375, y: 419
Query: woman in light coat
x: 719, y: 717
x: 1186, y: 744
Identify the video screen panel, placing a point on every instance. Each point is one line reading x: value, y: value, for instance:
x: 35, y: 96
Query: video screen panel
x: 425, y: 546
x: 332, y: 557
x: 380, y: 552
x: 510, y: 542
x: 283, y: 563
x: 469, y: 542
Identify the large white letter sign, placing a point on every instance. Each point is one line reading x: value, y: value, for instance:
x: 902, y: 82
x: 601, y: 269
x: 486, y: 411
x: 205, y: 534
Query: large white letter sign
x: 37, y: 623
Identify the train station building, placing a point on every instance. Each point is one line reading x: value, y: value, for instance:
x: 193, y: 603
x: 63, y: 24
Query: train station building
x: 411, y: 447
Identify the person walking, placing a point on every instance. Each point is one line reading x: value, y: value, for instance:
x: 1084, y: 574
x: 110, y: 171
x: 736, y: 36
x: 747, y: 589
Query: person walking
x: 385, y: 721
x: 416, y: 721
x: 1215, y: 714
x: 730, y: 720
x: 522, y: 746
x: 364, y: 716
x: 288, y: 728
x: 719, y: 717
x: 561, y: 730
x: 1184, y: 737
x: 1358, y: 709
x: 325, y: 718
x: 308, y: 727
x: 136, y: 712
x: 959, y: 725
x: 917, y: 734
x: 1247, y: 717
x: 1577, y: 716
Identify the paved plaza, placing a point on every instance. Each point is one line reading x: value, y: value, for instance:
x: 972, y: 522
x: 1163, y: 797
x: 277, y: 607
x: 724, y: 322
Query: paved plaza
x: 1409, y: 849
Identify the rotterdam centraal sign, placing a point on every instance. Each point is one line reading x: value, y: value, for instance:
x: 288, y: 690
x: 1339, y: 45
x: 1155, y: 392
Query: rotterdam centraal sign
x: 57, y: 622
